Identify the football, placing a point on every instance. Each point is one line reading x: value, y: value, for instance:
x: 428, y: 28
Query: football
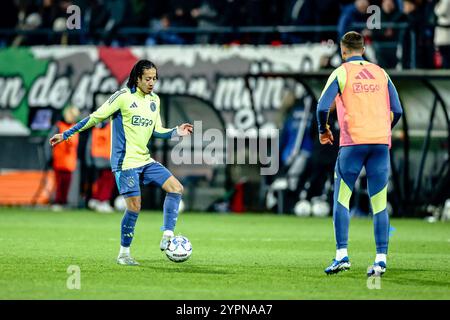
x: 120, y: 204
x: 303, y: 208
x: 179, y: 249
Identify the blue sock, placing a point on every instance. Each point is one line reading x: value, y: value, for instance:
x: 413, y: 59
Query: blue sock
x: 127, y: 230
x: 171, y: 204
x: 381, y: 230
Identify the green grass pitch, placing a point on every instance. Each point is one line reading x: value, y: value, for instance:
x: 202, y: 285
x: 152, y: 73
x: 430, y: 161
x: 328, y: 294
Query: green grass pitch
x: 249, y: 256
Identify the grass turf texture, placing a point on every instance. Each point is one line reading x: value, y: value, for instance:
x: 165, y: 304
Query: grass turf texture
x: 248, y: 256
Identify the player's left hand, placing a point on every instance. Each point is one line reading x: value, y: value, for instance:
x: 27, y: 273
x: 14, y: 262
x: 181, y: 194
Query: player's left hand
x: 326, y: 137
x: 185, y: 129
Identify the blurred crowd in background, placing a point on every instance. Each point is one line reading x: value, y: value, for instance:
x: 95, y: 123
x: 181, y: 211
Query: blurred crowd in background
x: 418, y: 25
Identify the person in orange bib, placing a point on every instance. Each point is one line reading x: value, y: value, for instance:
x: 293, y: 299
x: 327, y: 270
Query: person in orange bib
x: 98, y: 151
x: 368, y: 107
x: 64, y: 157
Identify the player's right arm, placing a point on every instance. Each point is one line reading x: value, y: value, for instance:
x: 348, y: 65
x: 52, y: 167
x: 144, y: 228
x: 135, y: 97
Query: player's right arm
x: 102, y: 113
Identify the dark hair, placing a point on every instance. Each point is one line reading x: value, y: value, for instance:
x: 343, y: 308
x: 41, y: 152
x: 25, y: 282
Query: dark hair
x: 138, y: 71
x: 353, y: 41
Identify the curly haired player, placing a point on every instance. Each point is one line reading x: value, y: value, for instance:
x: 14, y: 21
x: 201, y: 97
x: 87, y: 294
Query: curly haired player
x: 135, y: 118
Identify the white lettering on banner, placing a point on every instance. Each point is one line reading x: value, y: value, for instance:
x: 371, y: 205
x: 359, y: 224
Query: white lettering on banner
x: 199, y: 87
x: 273, y: 93
x: 101, y: 73
x: 49, y: 91
x: 60, y: 93
x: 11, y: 92
x: 231, y: 94
x: 80, y: 96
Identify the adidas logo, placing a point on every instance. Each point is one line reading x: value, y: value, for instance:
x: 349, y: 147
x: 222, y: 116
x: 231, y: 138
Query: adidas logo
x: 364, y: 74
x: 134, y: 105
